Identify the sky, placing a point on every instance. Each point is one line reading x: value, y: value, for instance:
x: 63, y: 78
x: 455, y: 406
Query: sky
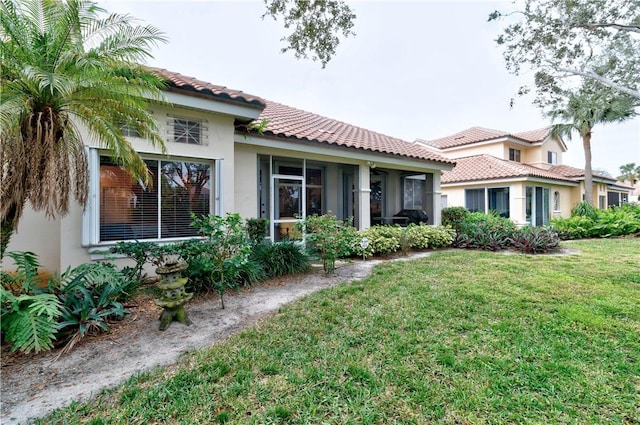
x: 416, y: 69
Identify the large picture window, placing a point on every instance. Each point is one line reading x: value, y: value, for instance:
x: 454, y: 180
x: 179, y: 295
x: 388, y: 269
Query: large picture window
x: 130, y: 210
x: 488, y: 199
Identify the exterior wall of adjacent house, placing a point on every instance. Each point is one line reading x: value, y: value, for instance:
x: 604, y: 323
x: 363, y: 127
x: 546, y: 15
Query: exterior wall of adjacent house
x: 517, y: 197
x: 496, y: 149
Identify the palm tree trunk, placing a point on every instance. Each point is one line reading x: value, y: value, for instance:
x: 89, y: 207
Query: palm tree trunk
x: 588, y: 175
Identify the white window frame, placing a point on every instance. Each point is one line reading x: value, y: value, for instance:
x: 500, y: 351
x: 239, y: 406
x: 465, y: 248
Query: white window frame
x: 91, y: 215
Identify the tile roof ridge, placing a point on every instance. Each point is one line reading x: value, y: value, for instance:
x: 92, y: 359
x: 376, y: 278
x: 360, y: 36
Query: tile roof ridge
x: 335, y: 120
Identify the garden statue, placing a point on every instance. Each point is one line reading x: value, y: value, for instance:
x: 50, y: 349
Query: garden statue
x: 173, y: 296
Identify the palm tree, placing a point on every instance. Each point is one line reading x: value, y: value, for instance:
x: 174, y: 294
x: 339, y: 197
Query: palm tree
x: 67, y: 70
x: 585, y: 108
x: 629, y: 172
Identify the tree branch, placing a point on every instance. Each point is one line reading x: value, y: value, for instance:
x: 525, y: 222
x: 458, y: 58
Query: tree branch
x: 620, y: 27
x: 602, y: 80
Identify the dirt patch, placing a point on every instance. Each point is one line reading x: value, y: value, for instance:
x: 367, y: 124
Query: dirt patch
x: 34, y: 385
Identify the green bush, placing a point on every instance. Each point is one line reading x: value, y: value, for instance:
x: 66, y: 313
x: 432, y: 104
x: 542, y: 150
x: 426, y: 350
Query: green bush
x: 535, y: 240
x: 454, y: 216
x: 280, y: 258
x: 90, y: 295
x: 485, y: 231
x: 28, y: 314
x: 584, y: 209
x: 257, y: 229
x: 423, y: 236
x: 383, y: 239
x: 614, y: 221
x: 226, y: 249
x: 328, y: 237
x: 141, y: 253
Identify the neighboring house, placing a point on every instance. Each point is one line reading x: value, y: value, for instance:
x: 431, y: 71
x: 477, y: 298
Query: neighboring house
x: 519, y: 175
x: 217, y: 162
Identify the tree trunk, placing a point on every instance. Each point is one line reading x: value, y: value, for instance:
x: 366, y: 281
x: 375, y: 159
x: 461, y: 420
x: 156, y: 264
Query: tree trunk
x: 6, y: 230
x: 588, y: 175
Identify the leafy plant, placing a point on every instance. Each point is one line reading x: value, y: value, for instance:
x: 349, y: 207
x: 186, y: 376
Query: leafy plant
x: 226, y: 250
x: 90, y: 295
x: 584, y: 209
x: 535, y: 240
x: 485, y: 231
x: 454, y: 216
x: 257, y: 229
x: 280, y: 258
x: 28, y: 315
x: 29, y: 322
x: 423, y: 236
x: 329, y: 237
x: 383, y: 239
x: 141, y: 253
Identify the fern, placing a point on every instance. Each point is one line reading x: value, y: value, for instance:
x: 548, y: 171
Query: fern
x: 30, y: 321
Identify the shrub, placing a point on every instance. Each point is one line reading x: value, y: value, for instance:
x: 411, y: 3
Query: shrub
x: 534, y: 240
x: 28, y: 314
x: 329, y: 237
x: 574, y: 227
x: 226, y: 250
x: 280, y: 258
x: 423, y: 236
x: 257, y: 229
x: 383, y: 239
x: 584, y: 209
x: 141, y: 253
x: 90, y: 295
x: 485, y: 231
x: 454, y: 216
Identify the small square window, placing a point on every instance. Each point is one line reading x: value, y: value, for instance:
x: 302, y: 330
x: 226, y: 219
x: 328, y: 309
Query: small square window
x: 514, y: 154
x: 552, y: 158
x: 187, y: 131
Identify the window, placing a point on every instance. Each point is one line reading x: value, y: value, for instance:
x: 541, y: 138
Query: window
x: 129, y: 131
x: 474, y: 200
x: 556, y: 201
x: 499, y: 200
x: 602, y: 202
x: 537, y: 205
x: 130, y: 210
x: 414, y: 187
x: 514, y: 154
x: 552, y: 158
x: 496, y: 199
x: 188, y: 131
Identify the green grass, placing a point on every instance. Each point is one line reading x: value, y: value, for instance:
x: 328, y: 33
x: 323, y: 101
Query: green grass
x: 460, y: 337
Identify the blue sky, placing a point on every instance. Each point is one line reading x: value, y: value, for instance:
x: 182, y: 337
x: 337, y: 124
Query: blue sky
x: 420, y: 69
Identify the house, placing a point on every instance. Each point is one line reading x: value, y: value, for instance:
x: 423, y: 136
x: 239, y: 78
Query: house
x: 300, y: 163
x: 521, y: 175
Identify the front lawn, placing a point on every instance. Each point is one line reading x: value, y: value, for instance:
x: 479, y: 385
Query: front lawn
x: 459, y: 337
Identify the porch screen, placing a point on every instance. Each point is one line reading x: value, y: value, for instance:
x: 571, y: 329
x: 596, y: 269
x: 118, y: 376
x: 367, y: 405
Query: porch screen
x: 129, y: 210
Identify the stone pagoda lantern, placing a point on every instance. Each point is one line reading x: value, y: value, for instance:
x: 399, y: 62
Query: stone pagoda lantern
x: 173, y: 296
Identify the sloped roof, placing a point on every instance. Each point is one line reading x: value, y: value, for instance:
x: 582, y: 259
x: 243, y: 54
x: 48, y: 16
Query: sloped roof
x: 204, y: 88
x: 292, y: 123
x: 480, y: 134
x: 576, y: 173
x: 487, y: 167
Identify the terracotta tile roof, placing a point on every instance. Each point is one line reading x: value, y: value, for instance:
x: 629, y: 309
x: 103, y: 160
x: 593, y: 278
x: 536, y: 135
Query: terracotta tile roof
x: 292, y: 123
x: 487, y: 167
x: 534, y: 136
x: 480, y: 134
x: 204, y: 88
x: 576, y: 173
